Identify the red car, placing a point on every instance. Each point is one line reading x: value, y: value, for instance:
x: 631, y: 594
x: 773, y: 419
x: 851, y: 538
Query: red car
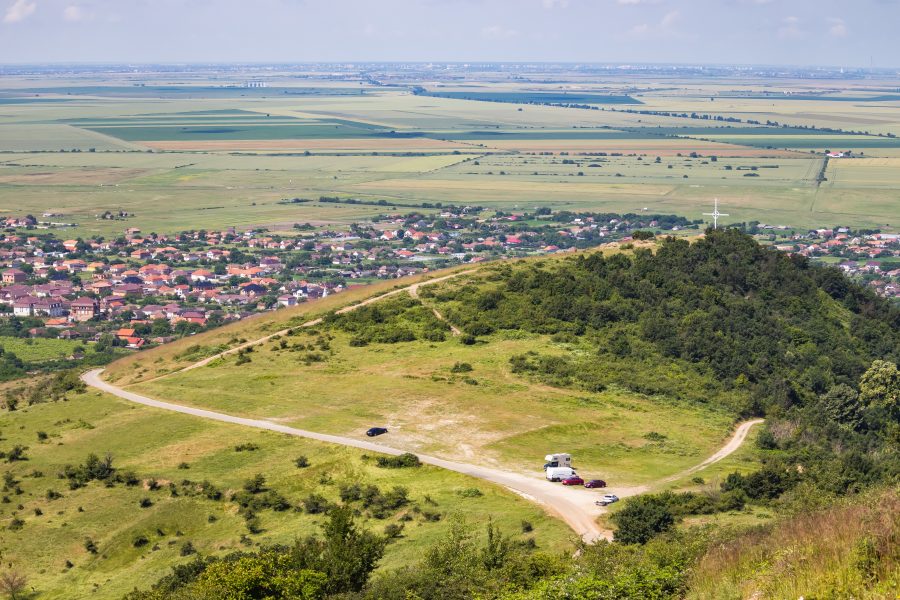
x: 595, y: 483
x: 574, y: 480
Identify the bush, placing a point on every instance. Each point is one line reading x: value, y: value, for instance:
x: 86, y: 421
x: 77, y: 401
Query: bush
x: 393, y: 530
x: 642, y: 518
x: 140, y: 541
x: 145, y: 503
x: 405, y: 460
x: 301, y: 462
x: 461, y: 367
x: 316, y: 504
x: 256, y: 484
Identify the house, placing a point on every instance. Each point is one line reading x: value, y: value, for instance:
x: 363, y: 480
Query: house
x: 125, y: 333
x: 134, y: 342
x: 14, y: 276
x: 48, y: 307
x: 83, y: 309
x: 24, y: 306
x: 287, y: 300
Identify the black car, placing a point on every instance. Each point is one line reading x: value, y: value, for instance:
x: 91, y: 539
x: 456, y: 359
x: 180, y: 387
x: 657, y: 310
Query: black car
x: 376, y: 431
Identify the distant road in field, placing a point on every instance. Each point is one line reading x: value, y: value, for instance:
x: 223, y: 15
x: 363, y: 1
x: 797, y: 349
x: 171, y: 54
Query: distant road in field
x: 574, y: 505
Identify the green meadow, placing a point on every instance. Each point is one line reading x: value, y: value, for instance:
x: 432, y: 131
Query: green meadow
x: 49, y: 543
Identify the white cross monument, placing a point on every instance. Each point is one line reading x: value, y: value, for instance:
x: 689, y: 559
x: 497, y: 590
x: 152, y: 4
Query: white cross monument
x: 715, y: 214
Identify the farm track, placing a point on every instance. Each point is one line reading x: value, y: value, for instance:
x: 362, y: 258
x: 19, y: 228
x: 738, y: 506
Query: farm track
x: 412, y: 290
x: 574, y: 505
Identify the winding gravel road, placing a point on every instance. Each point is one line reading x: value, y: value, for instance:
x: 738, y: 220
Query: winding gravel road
x: 573, y: 505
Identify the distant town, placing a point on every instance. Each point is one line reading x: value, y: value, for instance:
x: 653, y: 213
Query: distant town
x: 146, y: 289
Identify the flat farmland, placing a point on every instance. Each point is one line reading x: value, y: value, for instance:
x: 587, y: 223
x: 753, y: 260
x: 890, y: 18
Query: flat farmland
x: 55, y: 137
x: 211, y: 159
x: 864, y: 172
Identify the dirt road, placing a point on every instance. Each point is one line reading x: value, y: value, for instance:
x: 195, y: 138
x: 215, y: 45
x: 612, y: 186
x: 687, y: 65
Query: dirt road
x: 574, y: 505
x: 413, y: 291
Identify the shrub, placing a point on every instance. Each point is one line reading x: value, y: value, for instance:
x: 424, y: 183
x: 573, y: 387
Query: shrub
x: 642, y: 518
x: 145, y: 503
x: 140, y: 541
x: 301, y: 462
x: 90, y: 546
x: 393, y: 530
x: 16, y: 524
x: 407, y: 459
x: 246, y: 447
x: 256, y: 484
x: 316, y: 504
x: 461, y: 367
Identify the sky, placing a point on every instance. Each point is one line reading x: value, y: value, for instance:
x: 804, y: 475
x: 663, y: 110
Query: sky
x: 850, y: 33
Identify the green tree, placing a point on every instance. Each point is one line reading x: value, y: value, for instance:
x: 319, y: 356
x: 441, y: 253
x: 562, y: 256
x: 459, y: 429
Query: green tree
x: 267, y: 576
x: 641, y: 519
x: 879, y: 387
x: 841, y: 404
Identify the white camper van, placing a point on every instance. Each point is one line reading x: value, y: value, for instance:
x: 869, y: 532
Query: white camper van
x: 557, y: 460
x: 559, y: 473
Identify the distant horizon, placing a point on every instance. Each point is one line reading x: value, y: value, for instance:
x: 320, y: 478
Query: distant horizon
x: 735, y: 32
x: 467, y: 63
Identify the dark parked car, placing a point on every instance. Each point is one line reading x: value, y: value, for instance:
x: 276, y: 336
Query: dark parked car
x: 595, y: 483
x: 574, y: 480
x: 376, y: 431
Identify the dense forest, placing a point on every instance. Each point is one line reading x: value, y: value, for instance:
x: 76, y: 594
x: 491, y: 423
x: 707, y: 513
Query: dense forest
x: 722, y: 320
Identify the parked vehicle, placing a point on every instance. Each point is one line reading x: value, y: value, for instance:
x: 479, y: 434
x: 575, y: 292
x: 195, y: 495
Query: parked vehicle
x: 607, y: 499
x: 557, y: 460
x: 595, y: 483
x: 372, y: 432
x: 573, y: 480
x: 559, y: 473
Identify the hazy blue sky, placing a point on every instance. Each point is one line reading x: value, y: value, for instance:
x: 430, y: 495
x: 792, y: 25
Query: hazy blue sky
x: 829, y: 32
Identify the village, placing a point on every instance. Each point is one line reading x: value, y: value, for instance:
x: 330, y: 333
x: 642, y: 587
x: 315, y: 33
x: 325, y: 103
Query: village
x: 140, y: 290
x: 871, y: 258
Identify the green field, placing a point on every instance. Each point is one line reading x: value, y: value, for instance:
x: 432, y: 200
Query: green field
x: 153, y: 444
x: 36, y: 350
x: 225, y: 156
x: 503, y: 419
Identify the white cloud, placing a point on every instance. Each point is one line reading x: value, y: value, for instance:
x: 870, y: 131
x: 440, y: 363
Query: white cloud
x: 551, y: 4
x: 790, y: 29
x: 498, y: 32
x: 636, y: 2
x: 837, y: 27
x: 19, y: 11
x: 665, y: 27
x: 74, y: 13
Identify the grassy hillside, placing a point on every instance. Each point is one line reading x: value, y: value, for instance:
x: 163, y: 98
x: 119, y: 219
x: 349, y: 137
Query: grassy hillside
x: 850, y: 550
x: 41, y: 532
